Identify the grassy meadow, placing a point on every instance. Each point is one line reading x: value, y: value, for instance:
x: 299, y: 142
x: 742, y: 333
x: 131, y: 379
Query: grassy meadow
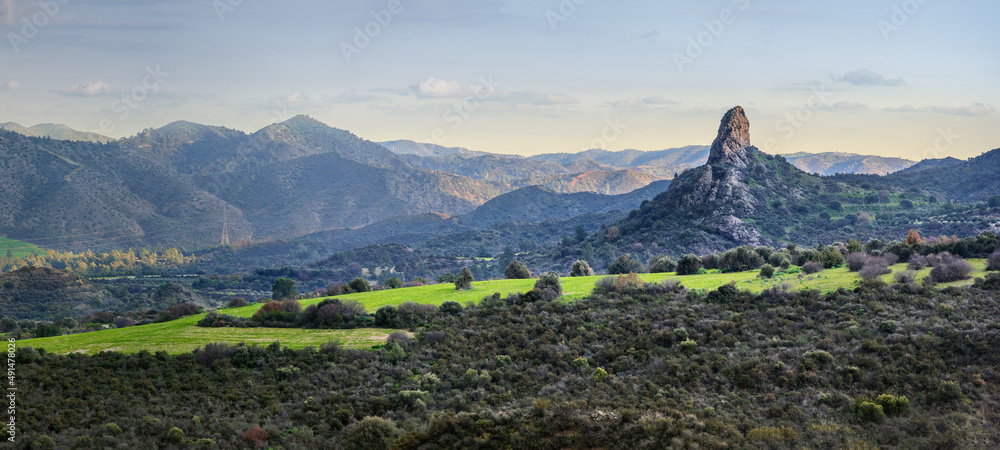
x: 184, y: 335
x: 18, y: 249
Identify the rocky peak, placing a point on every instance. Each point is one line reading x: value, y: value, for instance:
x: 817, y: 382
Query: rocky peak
x: 730, y: 145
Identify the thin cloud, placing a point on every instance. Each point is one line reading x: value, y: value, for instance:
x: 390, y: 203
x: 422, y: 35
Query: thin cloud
x: 847, y: 107
x: 536, y: 98
x: 438, y: 88
x: 10, y: 86
x: 973, y: 110
x: 89, y: 89
x: 641, y: 102
x: 351, y: 96
x: 865, y: 77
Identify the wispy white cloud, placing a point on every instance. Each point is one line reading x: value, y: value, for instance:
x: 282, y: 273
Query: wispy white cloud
x: 865, y: 77
x: 846, y: 106
x: 10, y: 86
x: 975, y: 109
x: 640, y: 102
x: 89, y: 89
x: 351, y: 96
x: 438, y: 88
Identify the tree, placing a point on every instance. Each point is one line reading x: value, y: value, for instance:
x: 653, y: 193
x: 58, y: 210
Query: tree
x: 463, y: 281
x: 688, y: 265
x: 913, y: 237
x: 581, y: 234
x: 360, y: 285
x: 371, y: 433
x: 394, y: 283
x: 625, y: 264
x: 283, y: 288
x: 549, y: 280
x: 994, y: 201
x: 767, y: 271
x: 517, y: 271
x: 581, y: 269
x: 663, y: 264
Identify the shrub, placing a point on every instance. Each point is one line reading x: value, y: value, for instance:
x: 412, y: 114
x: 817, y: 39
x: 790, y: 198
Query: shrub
x: 283, y: 288
x: 812, y: 267
x: 868, y: 411
x: 255, y: 437
x: 179, y: 310
x: 334, y: 313
x: 874, y: 270
x: 663, y: 264
x: 949, y: 391
x: 994, y: 201
x: 905, y: 277
x: 780, y: 260
x: 951, y: 268
x: 893, y: 405
x: 625, y: 264
x: 175, y: 436
x: 767, y: 271
x: 991, y: 282
x: 387, y: 317
x: 238, y: 302
x: 832, y: 257
x: 856, y: 261
x: 993, y: 261
x: 741, y: 259
x: 688, y: 346
x: 581, y: 269
x: 774, y: 436
x: 451, y: 308
x: 549, y: 280
x: 819, y: 357
x: 273, y: 312
x: 688, y: 265
x: 360, y: 285
x: 394, y: 283
x: 600, y: 374
x: 463, y: 281
x: 917, y: 262
x: 517, y: 271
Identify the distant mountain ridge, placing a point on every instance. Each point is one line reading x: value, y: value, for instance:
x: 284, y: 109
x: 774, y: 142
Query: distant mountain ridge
x: 837, y: 163
x: 634, y: 167
x: 56, y: 131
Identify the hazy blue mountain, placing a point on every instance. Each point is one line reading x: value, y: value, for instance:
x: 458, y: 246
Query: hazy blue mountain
x: 56, y: 131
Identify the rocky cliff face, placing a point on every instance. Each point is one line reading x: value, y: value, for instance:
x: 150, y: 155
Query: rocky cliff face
x: 740, y: 197
x: 732, y: 141
x: 719, y: 189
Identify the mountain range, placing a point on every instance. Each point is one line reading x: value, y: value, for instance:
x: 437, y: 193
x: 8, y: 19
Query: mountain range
x: 194, y: 185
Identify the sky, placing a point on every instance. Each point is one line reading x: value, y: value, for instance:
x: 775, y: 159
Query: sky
x: 913, y: 79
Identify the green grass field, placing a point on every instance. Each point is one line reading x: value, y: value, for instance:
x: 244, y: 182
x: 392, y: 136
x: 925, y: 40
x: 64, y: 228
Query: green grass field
x: 18, y: 249
x: 184, y: 335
